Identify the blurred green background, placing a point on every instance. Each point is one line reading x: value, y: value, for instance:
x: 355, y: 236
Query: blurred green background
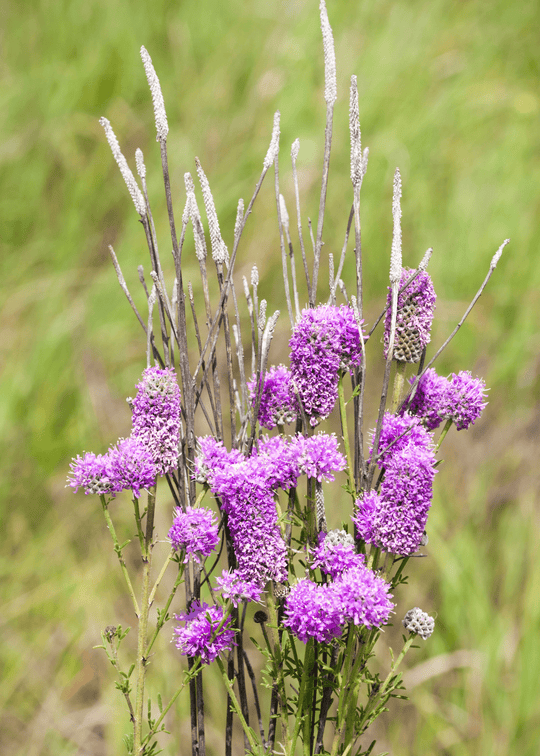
x: 449, y: 93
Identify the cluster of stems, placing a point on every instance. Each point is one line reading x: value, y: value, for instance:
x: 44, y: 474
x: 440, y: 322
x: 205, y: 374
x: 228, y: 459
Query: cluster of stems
x: 322, y: 695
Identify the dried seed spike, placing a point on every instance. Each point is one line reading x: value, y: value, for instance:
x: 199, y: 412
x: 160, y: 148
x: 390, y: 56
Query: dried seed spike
x: 425, y: 260
x: 356, y: 137
x: 139, y: 162
x: 239, y: 217
x: 262, y: 315
x: 254, y: 276
x: 365, y: 158
x: 273, y: 149
x: 284, y: 213
x: 497, y: 255
x: 295, y: 148
x: 246, y: 287
x: 395, y: 257
x: 330, y: 86
x: 220, y: 254
x: 125, y: 170
x: 162, y: 127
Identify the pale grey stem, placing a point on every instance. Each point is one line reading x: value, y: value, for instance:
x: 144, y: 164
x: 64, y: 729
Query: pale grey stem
x: 199, y: 344
x: 149, y: 330
x: 344, y: 247
x: 322, y: 201
x: 125, y: 289
x: 285, y: 221
x: 252, y: 321
x: 140, y: 271
x: 310, y: 226
x: 282, y: 243
x: 343, y: 290
x: 166, y: 306
x: 228, y: 355
x: 386, y: 381
x: 359, y: 403
x: 294, y: 154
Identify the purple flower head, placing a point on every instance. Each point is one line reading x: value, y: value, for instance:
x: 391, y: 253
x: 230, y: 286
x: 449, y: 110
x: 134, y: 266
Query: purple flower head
x: 395, y: 520
x: 195, y: 532
x: 335, y: 553
x: 130, y: 465
x: 211, y: 457
x: 279, y: 404
x: 312, y: 611
x: 318, y: 456
x: 156, y: 416
x: 91, y: 473
x: 415, y: 310
x: 324, y: 341
x: 246, y: 491
x: 234, y: 588
x: 401, y: 431
x: 126, y: 465
x: 206, y: 633
x: 430, y: 399
x: 466, y: 399
x: 281, y: 458
x: 364, y: 597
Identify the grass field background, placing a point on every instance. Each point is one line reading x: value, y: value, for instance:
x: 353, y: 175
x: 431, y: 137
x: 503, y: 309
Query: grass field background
x: 449, y: 93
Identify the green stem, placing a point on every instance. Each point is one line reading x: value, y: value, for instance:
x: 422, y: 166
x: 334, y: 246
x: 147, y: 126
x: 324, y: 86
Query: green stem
x: 192, y: 672
x: 138, y: 521
x: 377, y: 698
x: 256, y: 747
x: 340, y: 718
x: 345, y: 430
x: 273, y: 625
x: 163, y: 615
x: 119, y: 554
x: 143, y: 621
x: 444, y: 431
x: 303, y: 695
x: 399, y: 382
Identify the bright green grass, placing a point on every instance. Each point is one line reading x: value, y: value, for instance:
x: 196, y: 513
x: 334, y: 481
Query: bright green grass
x: 449, y: 92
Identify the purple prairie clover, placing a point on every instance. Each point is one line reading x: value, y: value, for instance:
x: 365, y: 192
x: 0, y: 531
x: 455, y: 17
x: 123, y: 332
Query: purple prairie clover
x: 312, y: 611
x: 206, y: 632
x: 128, y: 465
x: 212, y: 456
x: 466, y: 399
x: 335, y: 553
x: 195, y: 532
x: 324, y: 341
x: 318, y: 456
x: 395, y: 519
x: 278, y: 404
x: 247, y: 498
x: 364, y: 597
x: 131, y: 465
x: 415, y: 308
x: 91, y: 473
x: 237, y: 590
x: 401, y: 431
x: 430, y: 399
x: 156, y: 416
x: 281, y: 460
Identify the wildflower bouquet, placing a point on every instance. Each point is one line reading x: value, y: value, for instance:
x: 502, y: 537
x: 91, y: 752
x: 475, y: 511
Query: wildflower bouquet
x: 246, y: 464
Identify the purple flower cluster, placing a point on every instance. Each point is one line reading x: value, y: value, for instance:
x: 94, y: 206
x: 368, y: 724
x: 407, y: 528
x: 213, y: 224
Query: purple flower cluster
x: 415, y: 308
x: 278, y: 404
x: 234, y: 588
x: 398, y: 432
x: 246, y: 487
x: 324, y: 341
x: 128, y: 465
x: 460, y: 398
x: 195, y: 532
x: 156, y: 416
x: 322, y: 611
x: 206, y: 632
x: 335, y: 553
x: 395, y: 519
